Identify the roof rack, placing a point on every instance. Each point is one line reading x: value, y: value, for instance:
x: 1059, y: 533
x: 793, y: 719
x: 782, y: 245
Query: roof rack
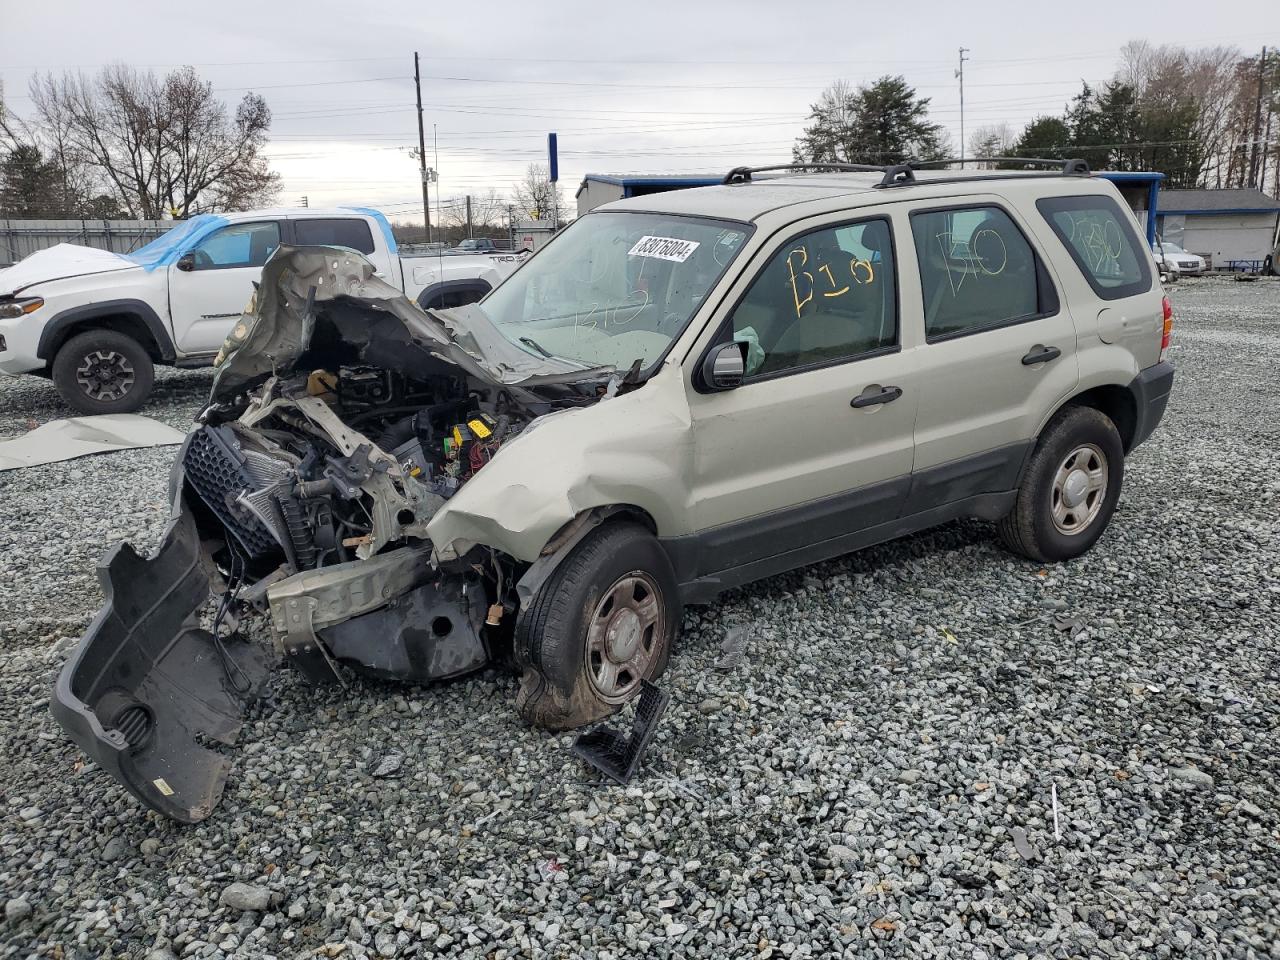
x: 903, y: 174
x: 1071, y: 168
x: 743, y: 174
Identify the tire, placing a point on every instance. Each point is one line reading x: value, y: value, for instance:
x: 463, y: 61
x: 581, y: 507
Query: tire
x: 1058, y: 515
x: 566, y: 666
x: 103, y: 371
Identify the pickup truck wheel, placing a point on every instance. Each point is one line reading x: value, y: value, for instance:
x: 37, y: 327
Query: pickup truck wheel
x: 603, y: 622
x: 102, y: 371
x: 1069, y: 489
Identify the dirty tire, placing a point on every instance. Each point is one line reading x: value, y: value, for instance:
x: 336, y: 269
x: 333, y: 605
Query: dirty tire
x: 1029, y: 528
x: 558, y: 686
x: 103, y: 371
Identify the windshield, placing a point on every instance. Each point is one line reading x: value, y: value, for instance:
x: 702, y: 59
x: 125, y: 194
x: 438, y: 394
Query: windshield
x: 1172, y: 248
x: 615, y: 287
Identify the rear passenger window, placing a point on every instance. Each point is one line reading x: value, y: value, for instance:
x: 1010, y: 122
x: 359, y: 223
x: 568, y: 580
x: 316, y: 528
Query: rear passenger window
x: 1101, y: 241
x: 334, y: 233
x: 825, y: 296
x: 977, y: 271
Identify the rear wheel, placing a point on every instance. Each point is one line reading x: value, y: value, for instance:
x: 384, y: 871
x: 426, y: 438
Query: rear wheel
x: 601, y: 624
x: 103, y: 371
x: 1069, y: 489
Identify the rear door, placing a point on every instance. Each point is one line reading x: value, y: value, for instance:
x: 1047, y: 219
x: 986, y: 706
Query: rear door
x: 788, y: 459
x: 210, y: 285
x: 999, y: 347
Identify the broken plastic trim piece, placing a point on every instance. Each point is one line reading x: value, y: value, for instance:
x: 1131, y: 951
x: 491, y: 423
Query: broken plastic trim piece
x: 613, y: 754
x: 146, y: 689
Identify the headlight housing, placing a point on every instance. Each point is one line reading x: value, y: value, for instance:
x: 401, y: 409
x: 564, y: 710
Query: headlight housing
x: 12, y: 309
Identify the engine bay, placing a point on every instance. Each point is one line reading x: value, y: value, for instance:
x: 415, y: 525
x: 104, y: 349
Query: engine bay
x: 334, y: 465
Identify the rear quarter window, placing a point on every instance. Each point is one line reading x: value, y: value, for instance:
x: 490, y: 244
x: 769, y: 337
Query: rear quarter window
x: 353, y: 234
x: 1101, y: 241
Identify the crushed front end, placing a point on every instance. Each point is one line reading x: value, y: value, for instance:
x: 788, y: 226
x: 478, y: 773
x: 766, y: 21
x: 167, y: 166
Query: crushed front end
x: 342, y: 420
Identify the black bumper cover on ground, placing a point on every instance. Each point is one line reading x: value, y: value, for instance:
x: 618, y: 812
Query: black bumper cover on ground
x: 146, y: 688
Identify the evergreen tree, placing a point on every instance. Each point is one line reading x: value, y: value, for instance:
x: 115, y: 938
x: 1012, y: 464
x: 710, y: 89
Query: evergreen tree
x: 880, y: 123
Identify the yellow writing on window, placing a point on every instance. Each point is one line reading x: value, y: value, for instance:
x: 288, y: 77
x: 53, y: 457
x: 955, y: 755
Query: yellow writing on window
x: 804, y: 285
x: 795, y: 285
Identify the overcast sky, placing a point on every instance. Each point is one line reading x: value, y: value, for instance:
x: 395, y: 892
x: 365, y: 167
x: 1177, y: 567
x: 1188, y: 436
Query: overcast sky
x: 653, y: 86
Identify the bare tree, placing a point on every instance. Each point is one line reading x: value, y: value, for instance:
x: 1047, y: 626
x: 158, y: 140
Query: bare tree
x: 156, y: 145
x: 488, y: 214
x: 536, y: 196
x: 992, y: 140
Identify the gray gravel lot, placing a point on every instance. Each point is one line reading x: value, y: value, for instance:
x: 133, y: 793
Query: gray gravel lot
x: 874, y: 775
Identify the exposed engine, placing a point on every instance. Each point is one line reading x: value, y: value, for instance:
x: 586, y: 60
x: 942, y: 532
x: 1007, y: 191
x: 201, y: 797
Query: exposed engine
x: 332, y: 466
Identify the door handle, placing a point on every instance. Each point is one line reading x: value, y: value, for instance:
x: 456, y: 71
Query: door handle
x: 876, y: 394
x: 1040, y: 354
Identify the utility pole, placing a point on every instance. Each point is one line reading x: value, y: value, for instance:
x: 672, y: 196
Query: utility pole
x: 470, y: 233
x: 1257, y: 128
x: 960, y: 74
x: 303, y: 202
x: 422, y: 148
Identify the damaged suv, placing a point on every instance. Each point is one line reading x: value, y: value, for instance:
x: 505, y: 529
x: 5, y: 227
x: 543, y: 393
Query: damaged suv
x: 683, y: 393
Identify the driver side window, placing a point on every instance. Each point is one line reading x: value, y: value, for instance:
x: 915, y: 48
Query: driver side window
x: 237, y: 245
x: 825, y: 297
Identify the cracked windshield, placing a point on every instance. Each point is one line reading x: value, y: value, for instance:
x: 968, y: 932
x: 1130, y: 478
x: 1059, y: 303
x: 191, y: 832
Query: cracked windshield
x: 615, y: 287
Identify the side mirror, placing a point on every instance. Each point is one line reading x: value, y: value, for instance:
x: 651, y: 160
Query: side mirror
x: 725, y: 366
x: 186, y: 262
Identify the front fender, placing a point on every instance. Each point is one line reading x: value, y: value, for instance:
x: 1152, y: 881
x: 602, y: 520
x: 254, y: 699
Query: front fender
x: 634, y: 449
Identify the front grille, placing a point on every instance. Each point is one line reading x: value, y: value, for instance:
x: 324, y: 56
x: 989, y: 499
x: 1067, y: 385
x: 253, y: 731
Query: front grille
x: 215, y: 467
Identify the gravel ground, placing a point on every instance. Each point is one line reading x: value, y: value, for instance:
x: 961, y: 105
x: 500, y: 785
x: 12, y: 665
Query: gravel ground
x: 872, y: 770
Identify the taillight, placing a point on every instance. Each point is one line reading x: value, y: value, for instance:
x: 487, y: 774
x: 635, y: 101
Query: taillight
x: 1167, y: 332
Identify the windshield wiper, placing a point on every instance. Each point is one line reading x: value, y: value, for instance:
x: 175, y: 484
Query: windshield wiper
x: 530, y: 342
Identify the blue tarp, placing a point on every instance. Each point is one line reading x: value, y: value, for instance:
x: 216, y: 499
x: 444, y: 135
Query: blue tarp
x: 164, y: 250
x: 382, y: 222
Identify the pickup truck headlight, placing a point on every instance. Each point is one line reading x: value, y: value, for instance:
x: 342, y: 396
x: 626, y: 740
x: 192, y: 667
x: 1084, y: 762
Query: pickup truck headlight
x: 12, y: 309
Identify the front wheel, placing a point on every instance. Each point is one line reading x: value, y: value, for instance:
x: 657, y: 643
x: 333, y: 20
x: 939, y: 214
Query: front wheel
x: 602, y: 623
x: 103, y: 371
x: 1069, y: 489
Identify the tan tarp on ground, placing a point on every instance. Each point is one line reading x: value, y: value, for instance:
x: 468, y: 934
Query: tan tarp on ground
x: 81, y: 436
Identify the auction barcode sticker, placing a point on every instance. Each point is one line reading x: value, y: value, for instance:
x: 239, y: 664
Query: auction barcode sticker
x: 664, y: 248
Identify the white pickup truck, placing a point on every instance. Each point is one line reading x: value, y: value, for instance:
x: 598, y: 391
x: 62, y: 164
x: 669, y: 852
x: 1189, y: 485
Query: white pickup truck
x: 97, y: 322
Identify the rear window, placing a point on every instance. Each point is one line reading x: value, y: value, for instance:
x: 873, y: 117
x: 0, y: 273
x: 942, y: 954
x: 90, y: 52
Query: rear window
x: 334, y: 233
x: 1101, y: 241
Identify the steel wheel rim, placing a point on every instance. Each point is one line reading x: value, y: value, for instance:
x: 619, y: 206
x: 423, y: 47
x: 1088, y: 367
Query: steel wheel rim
x: 105, y: 375
x: 624, y: 636
x: 1079, y: 489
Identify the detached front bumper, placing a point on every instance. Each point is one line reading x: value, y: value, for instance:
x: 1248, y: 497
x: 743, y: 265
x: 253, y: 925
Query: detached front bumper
x: 152, y: 697
x: 146, y: 688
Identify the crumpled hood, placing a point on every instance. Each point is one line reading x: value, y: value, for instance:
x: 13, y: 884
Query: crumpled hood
x: 58, y: 263
x: 300, y: 283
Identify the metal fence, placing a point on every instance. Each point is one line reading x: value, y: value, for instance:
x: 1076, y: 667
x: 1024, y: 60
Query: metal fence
x: 20, y: 238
